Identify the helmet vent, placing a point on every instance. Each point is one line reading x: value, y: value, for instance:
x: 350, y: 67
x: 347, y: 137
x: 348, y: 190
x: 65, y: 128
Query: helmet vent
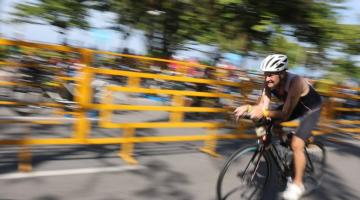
x: 279, y: 66
x: 269, y: 61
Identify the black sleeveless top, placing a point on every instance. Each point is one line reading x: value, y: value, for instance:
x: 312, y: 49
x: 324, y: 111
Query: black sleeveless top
x: 312, y: 100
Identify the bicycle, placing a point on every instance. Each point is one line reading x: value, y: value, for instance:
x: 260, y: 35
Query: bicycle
x: 247, y: 172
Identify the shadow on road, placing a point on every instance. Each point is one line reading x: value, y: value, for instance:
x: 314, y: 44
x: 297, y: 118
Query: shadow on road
x: 333, y: 188
x: 47, y: 197
x: 343, y: 144
x: 162, y: 182
x: 41, y: 155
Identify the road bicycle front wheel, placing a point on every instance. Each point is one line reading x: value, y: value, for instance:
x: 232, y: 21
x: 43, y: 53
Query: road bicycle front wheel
x: 244, y: 175
x: 315, y: 165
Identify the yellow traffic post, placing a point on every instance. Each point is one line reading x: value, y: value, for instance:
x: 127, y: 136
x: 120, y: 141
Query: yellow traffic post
x: 177, y: 100
x: 210, y: 144
x: 24, y: 154
x: 333, y: 102
x: 105, y: 114
x: 325, y: 111
x: 84, y: 81
x: 82, y: 126
x: 24, y: 159
x: 126, y: 152
x: 133, y: 82
x: 83, y: 96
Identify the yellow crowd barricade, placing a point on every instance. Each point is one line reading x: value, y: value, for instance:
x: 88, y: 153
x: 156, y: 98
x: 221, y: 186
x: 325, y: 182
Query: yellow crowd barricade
x: 340, y: 100
x: 349, y: 105
x: 84, y: 95
x: 177, y: 107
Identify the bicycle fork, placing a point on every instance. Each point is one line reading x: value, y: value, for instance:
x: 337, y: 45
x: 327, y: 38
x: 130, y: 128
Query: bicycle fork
x: 257, y: 163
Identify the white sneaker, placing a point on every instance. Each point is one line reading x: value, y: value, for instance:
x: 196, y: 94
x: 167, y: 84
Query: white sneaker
x: 293, y: 192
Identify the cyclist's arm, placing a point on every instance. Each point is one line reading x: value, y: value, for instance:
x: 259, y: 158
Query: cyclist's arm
x: 244, y: 110
x: 264, y: 102
x: 256, y: 112
x: 296, y: 89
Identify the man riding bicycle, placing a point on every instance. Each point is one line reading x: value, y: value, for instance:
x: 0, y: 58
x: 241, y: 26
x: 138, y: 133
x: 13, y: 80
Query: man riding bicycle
x: 300, y: 101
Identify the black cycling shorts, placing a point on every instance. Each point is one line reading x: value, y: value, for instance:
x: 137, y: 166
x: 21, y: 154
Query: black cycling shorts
x: 307, y: 121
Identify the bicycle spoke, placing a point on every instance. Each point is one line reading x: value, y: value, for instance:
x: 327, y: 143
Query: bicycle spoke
x: 256, y: 168
x: 244, y: 176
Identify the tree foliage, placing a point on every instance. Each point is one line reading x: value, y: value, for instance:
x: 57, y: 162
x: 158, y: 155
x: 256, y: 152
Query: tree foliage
x: 233, y: 25
x: 241, y: 26
x: 166, y: 24
x: 346, y: 67
x: 64, y: 14
x: 347, y: 38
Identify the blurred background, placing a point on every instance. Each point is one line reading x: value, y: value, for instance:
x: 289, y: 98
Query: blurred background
x: 160, y: 79
x: 317, y: 35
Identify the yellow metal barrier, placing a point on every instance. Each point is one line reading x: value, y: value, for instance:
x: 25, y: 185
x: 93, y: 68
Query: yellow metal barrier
x: 84, y: 96
x: 163, y: 77
x: 177, y: 108
x: 6, y: 42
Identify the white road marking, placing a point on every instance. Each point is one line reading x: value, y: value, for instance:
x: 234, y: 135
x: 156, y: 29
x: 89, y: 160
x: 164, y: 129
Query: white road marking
x: 22, y: 175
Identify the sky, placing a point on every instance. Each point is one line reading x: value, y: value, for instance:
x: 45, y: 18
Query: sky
x: 111, y: 40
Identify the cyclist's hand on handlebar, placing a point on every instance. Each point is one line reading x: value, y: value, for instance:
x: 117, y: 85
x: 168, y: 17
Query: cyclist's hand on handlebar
x: 256, y: 113
x: 241, y: 112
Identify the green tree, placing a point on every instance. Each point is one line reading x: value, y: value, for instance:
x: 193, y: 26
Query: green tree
x: 346, y: 67
x: 280, y: 44
x: 165, y: 23
x: 242, y: 24
x: 233, y: 25
x: 64, y: 14
x: 3, y: 52
x: 347, y: 38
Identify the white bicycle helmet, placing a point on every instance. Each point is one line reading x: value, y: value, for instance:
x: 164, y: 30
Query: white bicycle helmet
x: 274, y: 63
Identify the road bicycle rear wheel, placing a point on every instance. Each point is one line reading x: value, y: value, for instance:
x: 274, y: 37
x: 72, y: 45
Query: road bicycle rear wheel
x: 244, y: 175
x: 315, y: 165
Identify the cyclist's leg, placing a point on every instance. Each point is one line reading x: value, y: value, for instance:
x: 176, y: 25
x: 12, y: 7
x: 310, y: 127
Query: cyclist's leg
x: 297, y: 146
x: 308, y: 122
x: 302, y: 133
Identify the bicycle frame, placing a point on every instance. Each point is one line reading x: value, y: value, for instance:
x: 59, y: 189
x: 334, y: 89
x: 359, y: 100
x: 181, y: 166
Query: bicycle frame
x: 265, y: 145
x: 279, y: 161
x: 257, y: 161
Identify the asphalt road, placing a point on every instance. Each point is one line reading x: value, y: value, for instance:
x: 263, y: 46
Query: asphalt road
x: 166, y: 171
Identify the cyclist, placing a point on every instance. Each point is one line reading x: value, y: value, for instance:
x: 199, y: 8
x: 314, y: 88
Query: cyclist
x: 300, y: 101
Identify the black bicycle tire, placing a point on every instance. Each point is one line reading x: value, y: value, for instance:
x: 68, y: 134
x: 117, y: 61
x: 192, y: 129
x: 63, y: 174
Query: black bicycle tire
x: 230, y: 160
